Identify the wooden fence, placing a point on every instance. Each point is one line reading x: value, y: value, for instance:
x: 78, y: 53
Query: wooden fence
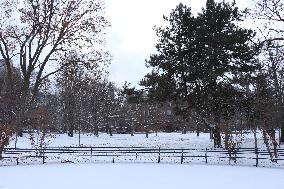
x: 252, y: 155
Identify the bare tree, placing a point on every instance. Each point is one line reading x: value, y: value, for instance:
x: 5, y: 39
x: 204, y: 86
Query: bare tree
x: 70, y: 83
x: 6, y: 132
x: 44, y: 29
x: 271, y: 13
x: 34, y: 33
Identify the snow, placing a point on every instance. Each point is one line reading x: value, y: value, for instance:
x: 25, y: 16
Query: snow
x: 163, y: 140
x: 171, y: 140
x: 139, y: 176
x: 143, y: 173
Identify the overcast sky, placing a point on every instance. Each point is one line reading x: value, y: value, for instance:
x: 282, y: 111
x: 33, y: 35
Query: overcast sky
x: 131, y: 37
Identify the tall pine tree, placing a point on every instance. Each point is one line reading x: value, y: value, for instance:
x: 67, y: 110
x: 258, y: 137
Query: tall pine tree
x: 199, y: 58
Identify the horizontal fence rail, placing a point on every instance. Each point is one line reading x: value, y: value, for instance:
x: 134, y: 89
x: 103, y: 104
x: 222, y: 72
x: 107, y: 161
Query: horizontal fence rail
x: 249, y: 156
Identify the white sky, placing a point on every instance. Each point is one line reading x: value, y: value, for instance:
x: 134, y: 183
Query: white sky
x: 131, y: 37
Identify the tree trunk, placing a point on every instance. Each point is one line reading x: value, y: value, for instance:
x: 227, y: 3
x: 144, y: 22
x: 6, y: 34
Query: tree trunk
x: 278, y: 94
x: 255, y: 140
x: 22, y: 114
x: 71, y: 125
x: 197, y: 130
x: 282, y: 135
x: 71, y: 131
x: 110, y: 131
x: 1, y: 151
x: 211, y: 133
x: 226, y: 139
x: 132, y: 131
x: 10, y: 77
x: 266, y: 142
x: 19, y: 122
x: 79, y: 137
x: 183, y: 130
x: 147, y: 132
x: 96, y: 130
x: 217, y: 132
x: 16, y: 140
x: 217, y: 137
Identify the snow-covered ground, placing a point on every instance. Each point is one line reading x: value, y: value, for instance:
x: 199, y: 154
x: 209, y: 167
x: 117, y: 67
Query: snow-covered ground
x: 133, y: 172
x: 169, y: 140
x: 163, y: 140
x: 139, y: 176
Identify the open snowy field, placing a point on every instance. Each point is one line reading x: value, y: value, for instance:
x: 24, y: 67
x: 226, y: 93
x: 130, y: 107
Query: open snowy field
x: 163, y: 140
x: 138, y: 176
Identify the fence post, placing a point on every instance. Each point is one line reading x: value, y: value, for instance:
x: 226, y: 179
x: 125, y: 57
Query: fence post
x: 43, y: 157
x: 159, y: 158
x: 91, y: 154
x: 256, y: 158
x: 206, y: 156
x: 181, y: 161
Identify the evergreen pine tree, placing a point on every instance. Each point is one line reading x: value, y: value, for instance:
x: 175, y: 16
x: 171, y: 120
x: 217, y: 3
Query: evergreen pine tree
x: 200, y: 57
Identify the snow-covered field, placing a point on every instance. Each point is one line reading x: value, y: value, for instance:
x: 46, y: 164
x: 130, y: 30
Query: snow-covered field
x: 170, y: 140
x: 163, y: 140
x: 139, y: 173
x: 139, y: 176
